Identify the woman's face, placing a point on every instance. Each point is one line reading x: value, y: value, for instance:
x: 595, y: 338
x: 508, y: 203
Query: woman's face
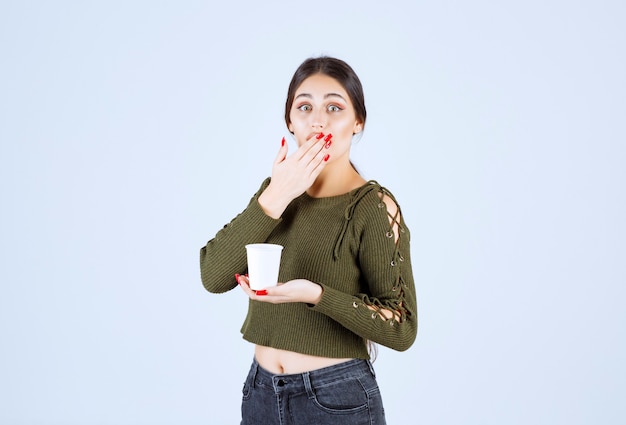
x: 322, y: 105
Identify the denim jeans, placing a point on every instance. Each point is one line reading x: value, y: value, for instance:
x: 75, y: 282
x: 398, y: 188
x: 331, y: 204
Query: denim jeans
x: 345, y: 394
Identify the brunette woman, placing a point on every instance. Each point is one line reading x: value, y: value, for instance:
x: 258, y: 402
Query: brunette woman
x: 345, y: 278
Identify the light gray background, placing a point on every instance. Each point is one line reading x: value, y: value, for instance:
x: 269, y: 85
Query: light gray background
x: 132, y: 131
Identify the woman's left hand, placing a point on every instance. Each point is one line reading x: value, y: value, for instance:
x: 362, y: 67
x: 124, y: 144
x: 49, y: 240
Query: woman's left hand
x: 293, y: 291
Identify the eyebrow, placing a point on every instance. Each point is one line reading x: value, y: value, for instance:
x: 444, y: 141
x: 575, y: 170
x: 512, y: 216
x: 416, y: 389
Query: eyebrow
x: 326, y: 96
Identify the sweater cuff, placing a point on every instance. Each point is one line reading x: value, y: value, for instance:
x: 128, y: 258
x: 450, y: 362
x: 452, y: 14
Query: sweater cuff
x: 258, y: 223
x: 259, y: 214
x: 333, y: 301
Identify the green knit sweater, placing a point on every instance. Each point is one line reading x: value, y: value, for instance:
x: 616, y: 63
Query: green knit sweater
x: 346, y: 244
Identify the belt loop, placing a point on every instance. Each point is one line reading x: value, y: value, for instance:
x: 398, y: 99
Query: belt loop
x: 371, y: 366
x: 255, y: 371
x: 307, y: 385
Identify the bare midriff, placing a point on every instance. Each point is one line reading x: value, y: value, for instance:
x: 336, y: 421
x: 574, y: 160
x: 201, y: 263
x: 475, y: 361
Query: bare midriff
x: 287, y: 362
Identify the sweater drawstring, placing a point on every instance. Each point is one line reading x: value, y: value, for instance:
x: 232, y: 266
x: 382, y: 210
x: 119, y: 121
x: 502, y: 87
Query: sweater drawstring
x: 349, y: 211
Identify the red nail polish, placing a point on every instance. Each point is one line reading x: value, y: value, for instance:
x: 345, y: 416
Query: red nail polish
x: 319, y: 136
x: 283, y: 142
x: 327, y: 138
x: 261, y: 292
x: 326, y: 157
x: 327, y: 145
x: 237, y: 277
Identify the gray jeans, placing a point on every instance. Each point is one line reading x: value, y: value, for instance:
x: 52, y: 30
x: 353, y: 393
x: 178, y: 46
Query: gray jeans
x: 345, y: 394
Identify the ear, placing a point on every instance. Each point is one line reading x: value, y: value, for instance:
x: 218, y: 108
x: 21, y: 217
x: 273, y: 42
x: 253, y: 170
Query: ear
x: 290, y: 128
x: 358, y: 127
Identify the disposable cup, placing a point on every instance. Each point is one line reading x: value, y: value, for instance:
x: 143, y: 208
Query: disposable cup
x: 263, y: 264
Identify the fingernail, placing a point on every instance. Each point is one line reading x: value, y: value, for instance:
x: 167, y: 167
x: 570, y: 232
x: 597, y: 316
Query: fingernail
x: 237, y: 277
x: 327, y: 145
x: 326, y: 157
x: 261, y: 292
x: 283, y: 142
x: 319, y: 136
x: 327, y: 138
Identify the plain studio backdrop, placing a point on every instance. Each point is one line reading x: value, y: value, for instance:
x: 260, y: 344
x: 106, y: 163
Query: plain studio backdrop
x: 131, y: 132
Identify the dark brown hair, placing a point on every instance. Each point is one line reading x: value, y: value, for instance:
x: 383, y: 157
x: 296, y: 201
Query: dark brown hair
x: 334, y: 68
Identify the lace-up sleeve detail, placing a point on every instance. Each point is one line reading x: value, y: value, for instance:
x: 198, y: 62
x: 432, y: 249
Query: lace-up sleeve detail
x: 386, y: 311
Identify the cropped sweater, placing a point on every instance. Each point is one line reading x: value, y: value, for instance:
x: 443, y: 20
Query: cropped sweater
x: 346, y: 244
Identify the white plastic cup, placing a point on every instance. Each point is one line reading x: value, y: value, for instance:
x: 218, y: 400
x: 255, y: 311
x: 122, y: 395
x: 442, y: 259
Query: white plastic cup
x: 263, y: 264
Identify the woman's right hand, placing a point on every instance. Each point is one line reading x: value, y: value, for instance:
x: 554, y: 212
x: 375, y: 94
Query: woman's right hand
x: 293, y: 175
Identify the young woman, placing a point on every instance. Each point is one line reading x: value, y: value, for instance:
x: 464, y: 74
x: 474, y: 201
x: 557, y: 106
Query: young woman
x: 345, y: 274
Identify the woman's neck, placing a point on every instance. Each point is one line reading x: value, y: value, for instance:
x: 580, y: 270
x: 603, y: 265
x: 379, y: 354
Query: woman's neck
x: 336, y: 179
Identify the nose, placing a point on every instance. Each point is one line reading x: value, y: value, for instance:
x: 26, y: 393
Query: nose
x: 318, y: 120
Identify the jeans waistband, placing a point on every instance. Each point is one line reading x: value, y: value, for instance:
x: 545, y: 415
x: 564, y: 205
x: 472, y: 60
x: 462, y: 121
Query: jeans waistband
x: 314, y: 378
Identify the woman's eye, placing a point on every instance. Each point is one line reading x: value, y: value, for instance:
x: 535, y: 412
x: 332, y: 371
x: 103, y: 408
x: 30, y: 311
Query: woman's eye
x: 304, y: 108
x: 334, y: 108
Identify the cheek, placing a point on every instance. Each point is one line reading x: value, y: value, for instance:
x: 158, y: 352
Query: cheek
x: 345, y: 127
x: 295, y: 125
x: 299, y: 129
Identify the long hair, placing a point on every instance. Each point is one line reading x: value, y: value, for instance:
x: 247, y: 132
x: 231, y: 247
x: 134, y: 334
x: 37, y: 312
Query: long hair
x: 372, y: 349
